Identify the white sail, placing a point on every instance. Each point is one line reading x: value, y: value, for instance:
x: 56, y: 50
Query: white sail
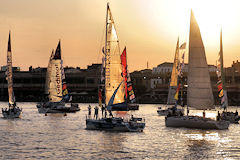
x: 48, y: 73
x: 55, y: 86
x: 199, y: 92
x: 174, y: 77
x: 9, y: 73
x: 113, y: 67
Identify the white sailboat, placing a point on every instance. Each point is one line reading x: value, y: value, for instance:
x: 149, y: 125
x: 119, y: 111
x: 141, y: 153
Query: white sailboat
x: 174, y: 84
x: 113, y: 83
x: 222, y: 92
x: 56, y: 88
x: 199, y: 92
x: 13, y: 111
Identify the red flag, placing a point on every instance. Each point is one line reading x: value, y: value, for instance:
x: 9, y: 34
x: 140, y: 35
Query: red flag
x: 219, y: 87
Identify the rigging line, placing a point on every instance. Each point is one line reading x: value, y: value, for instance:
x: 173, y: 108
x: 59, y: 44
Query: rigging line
x: 99, y: 53
x: 101, y: 43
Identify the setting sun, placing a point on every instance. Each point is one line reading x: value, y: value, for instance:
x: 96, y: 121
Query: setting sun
x: 211, y: 17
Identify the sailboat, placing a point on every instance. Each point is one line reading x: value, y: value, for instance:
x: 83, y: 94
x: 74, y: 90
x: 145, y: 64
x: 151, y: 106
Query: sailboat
x: 199, y: 92
x: 175, y: 83
x: 114, y: 82
x: 56, y: 87
x: 13, y: 111
x: 222, y: 92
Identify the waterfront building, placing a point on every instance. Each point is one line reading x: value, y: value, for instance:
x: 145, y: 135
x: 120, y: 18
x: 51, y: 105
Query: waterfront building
x: 150, y: 86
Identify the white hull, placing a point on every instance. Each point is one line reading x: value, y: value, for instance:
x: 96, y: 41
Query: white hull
x: 12, y: 114
x: 195, y: 122
x: 114, y: 124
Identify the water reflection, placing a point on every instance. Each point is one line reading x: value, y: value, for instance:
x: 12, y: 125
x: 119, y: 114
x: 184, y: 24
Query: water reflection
x: 56, y: 136
x: 112, y: 141
x: 204, y: 144
x: 200, y: 144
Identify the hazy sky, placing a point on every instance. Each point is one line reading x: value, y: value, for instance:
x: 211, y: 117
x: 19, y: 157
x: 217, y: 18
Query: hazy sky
x: 149, y: 29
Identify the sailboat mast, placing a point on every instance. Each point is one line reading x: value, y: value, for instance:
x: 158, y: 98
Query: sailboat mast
x: 9, y: 73
x: 105, y: 54
x: 113, y: 67
x: 221, y: 83
x: 221, y: 59
x: 174, y: 77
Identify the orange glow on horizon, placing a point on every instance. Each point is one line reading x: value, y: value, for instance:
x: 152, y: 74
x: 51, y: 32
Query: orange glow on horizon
x: 149, y: 30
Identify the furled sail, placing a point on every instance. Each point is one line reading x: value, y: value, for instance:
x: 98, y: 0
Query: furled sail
x: 55, y: 86
x: 48, y: 73
x: 199, y: 92
x: 222, y: 92
x: 113, y: 68
x: 174, y: 77
x: 9, y: 73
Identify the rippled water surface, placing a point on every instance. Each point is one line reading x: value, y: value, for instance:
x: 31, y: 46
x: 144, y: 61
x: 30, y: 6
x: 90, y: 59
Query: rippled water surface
x: 36, y: 136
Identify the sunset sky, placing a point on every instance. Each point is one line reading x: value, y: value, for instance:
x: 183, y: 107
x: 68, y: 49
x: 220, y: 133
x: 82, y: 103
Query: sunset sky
x: 149, y: 29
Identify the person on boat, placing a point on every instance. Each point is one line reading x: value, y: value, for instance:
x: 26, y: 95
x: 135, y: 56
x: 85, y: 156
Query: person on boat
x: 218, y: 116
x: 110, y: 113
x: 105, y: 113
x: 96, y: 112
x: 180, y: 114
x: 103, y: 109
x: 236, y: 113
x: 204, y: 114
x: 132, y: 118
x: 174, y: 109
x: 182, y: 102
x: 89, y: 111
x: 224, y: 108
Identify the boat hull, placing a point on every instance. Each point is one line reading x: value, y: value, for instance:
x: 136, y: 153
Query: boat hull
x: 133, y: 106
x: 16, y: 113
x: 114, y: 124
x: 162, y: 112
x: 124, y: 106
x: 57, y: 108
x: 195, y: 122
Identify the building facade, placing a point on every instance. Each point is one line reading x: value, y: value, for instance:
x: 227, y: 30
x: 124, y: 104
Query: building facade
x: 150, y: 86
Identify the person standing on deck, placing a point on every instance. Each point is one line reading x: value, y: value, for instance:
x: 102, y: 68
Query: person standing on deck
x: 89, y: 111
x: 96, y: 112
x: 218, y: 116
x: 103, y: 109
x: 204, y: 114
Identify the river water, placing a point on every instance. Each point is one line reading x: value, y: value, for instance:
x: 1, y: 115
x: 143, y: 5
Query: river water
x: 55, y: 136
